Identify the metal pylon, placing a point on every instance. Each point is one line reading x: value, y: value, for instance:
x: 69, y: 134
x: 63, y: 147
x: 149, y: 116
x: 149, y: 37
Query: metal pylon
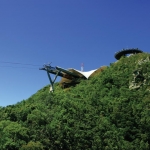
x: 52, y: 82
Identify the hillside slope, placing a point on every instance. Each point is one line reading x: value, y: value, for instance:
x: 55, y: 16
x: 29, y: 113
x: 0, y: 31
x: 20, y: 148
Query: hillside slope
x: 110, y: 111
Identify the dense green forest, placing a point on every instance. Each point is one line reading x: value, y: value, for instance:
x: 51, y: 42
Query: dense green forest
x: 110, y: 111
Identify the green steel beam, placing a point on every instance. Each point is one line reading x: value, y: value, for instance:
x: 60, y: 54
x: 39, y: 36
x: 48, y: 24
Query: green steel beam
x: 68, y: 72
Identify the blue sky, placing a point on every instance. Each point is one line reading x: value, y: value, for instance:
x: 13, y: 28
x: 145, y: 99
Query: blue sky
x: 66, y: 33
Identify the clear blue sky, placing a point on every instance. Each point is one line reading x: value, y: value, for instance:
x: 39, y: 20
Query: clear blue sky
x: 66, y: 33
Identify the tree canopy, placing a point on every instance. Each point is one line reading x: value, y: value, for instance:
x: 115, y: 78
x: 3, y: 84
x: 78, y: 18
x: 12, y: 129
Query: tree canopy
x: 109, y: 111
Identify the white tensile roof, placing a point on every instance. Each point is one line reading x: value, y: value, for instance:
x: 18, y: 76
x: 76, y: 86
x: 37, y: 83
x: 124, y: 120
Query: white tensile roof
x: 85, y: 74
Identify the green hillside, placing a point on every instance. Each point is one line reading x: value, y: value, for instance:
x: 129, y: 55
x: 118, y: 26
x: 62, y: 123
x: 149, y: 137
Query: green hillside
x: 110, y: 111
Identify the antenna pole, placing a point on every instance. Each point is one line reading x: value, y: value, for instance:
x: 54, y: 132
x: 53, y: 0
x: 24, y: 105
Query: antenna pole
x: 82, y: 67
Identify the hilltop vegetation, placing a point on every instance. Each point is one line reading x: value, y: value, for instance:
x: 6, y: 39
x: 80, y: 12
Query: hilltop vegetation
x: 110, y: 111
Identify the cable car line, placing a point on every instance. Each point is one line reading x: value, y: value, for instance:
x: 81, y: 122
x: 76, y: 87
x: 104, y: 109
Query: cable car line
x: 17, y: 67
x: 17, y: 63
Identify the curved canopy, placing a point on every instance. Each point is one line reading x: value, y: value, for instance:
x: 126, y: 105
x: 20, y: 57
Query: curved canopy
x: 119, y: 54
x: 86, y: 74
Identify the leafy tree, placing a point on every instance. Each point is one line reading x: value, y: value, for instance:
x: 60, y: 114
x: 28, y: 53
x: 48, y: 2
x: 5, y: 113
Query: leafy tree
x: 32, y: 146
x: 13, y: 135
